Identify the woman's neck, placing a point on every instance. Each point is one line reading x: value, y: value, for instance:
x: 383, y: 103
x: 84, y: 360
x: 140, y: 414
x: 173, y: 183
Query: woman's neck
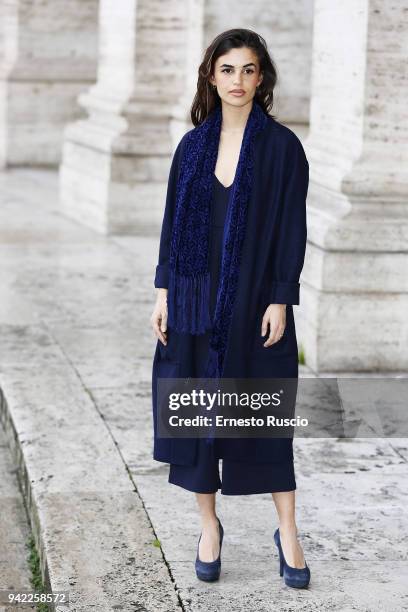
x: 234, y: 118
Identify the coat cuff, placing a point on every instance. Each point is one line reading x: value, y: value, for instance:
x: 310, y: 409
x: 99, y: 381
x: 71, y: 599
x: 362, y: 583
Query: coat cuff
x: 284, y: 293
x: 161, y: 280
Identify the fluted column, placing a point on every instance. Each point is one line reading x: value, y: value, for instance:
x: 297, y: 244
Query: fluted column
x: 355, y: 285
x: 47, y: 57
x: 115, y: 162
x: 195, y: 16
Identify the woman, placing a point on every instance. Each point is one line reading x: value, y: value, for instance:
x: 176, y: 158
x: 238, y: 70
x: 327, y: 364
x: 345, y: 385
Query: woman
x: 232, y: 248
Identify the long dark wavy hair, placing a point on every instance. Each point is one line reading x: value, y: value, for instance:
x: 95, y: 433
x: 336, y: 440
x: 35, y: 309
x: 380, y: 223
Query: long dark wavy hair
x: 207, y: 98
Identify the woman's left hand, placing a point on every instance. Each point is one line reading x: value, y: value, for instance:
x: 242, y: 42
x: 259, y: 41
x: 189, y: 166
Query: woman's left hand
x: 275, y: 316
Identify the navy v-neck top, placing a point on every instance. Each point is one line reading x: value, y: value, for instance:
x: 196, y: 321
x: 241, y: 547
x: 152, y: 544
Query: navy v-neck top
x: 219, y: 207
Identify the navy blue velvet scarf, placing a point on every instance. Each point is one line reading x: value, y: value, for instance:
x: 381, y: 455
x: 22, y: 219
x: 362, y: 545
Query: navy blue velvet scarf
x: 188, y: 298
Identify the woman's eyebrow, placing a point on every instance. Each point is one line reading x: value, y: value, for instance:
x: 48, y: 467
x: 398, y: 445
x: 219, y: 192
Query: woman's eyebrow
x: 231, y: 66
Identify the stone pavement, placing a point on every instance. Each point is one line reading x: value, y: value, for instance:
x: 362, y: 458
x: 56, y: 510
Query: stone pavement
x: 75, y: 372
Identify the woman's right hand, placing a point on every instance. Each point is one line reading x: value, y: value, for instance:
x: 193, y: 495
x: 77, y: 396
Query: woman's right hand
x: 159, y: 316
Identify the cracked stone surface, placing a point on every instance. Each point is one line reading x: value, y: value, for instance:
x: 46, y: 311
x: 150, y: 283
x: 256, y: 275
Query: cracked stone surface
x: 75, y: 365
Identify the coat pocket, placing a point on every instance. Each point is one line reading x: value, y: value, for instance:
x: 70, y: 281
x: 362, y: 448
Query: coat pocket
x: 169, y: 351
x: 257, y: 344
x: 286, y: 345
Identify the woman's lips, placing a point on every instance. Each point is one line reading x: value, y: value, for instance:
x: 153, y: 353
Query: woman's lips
x: 237, y: 93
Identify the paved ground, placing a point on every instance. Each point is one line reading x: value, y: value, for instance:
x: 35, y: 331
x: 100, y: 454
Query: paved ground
x: 75, y: 366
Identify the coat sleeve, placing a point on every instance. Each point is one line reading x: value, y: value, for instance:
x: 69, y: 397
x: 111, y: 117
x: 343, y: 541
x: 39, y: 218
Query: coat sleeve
x: 289, y: 247
x: 161, y: 279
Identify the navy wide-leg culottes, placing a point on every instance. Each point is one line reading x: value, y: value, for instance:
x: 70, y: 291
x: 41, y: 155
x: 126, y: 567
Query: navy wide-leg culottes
x: 238, y: 478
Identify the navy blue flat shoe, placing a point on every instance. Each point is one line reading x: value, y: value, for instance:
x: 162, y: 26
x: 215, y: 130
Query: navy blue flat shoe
x: 209, y: 570
x: 293, y: 576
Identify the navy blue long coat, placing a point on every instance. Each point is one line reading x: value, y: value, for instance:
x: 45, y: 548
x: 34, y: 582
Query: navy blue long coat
x: 272, y: 260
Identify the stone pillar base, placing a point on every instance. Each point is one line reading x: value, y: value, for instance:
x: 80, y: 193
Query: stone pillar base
x: 113, y: 177
x: 354, y: 290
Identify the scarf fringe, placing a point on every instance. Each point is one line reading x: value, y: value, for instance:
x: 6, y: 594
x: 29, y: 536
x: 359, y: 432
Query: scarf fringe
x: 188, y: 299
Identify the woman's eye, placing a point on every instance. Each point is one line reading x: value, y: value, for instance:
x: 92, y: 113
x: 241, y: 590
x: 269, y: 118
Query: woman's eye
x: 247, y: 70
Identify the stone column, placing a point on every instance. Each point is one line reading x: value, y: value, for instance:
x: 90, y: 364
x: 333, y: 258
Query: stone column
x: 181, y: 119
x: 115, y: 165
x: 48, y: 55
x: 355, y: 281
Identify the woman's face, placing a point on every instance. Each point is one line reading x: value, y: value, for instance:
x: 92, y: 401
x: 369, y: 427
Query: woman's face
x: 237, y: 70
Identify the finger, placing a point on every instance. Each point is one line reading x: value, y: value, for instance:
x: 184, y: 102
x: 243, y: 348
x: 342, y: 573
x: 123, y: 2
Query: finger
x: 162, y: 337
x: 264, y: 327
x: 163, y: 325
x: 159, y: 333
x: 273, y: 336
